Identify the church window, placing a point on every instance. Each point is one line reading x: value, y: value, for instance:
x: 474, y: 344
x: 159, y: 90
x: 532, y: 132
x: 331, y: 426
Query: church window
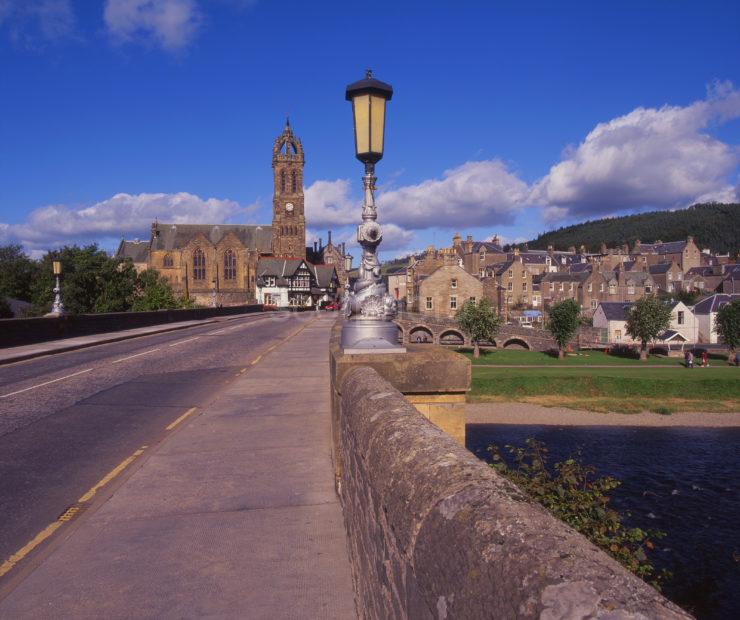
x: 199, y: 265
x: 453, y: 284
x: 453, y: 302
x: 167, y: 262
x: 293, y: 184
x: 430, y: 303
x: 229, y: 265
x: 282, y: 181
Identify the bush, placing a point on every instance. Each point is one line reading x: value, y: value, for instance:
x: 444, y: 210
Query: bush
x: 573, y: 493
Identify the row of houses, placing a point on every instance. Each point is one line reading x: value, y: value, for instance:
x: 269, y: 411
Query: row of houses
x: 523, y: 283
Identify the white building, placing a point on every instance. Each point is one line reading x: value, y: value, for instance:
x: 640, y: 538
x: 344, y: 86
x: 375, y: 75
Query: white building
x: 612, y: 316
x: 706, y: 315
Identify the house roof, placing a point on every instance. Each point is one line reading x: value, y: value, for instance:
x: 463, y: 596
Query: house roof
x: 488, y: 246
x: 137, y: 251
x: 714, y: 302
x: 324, y: 275
x: 615, y: 310
x: 174, y: 236
x: 581, y: 267
x: 671, y: 247
x: 671, y: 334
x: 700, y: 271
x: 660, y: 268
x: 566, y: 277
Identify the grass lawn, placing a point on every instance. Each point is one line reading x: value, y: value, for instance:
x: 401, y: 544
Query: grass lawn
x: 625, y: 390
x: 516, y: 357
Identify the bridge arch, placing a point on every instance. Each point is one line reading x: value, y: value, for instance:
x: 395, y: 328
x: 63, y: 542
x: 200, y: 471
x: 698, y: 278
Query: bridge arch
x: 451, y: 336
x: 517, y: 343
x: 421, y: 334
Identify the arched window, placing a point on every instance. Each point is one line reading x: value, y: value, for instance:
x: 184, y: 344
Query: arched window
x: 199, y: 265
x: 229, y: 265
x: 293, y: 182
x: 167, y: 262
x: 282, y: 180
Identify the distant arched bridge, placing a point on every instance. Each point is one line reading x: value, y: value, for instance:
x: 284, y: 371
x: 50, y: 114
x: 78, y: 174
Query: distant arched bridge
x: 422, y: 328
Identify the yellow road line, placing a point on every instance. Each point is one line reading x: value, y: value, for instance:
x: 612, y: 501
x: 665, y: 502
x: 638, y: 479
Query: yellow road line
x: 74, y: 374
x: 189, y: 412
x: 256, y: 359
x: 179, y: 342
x: 111, y: 474
x: 66, y: 516
x: 123, y: 359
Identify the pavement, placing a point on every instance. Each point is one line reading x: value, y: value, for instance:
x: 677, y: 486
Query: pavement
x: 10, y: 355
x: 232, y: 514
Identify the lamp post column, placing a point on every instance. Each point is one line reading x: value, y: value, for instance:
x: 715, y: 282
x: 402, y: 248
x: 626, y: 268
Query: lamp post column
x: 57, y: 307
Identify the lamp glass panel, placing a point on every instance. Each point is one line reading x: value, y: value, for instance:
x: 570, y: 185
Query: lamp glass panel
x: 57, y: 267
x: 361, y: 106
x: 377, y: 123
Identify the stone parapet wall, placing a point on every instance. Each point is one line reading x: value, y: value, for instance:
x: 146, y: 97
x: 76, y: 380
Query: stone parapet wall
x: 18, y: 332
x: 435, y: 533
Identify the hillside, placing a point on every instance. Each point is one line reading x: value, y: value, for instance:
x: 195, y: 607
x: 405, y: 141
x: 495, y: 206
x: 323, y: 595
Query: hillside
x: 714, y: 225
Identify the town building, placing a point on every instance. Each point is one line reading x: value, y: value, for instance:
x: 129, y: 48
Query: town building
x: 706, y: 315
x: 444, y: 291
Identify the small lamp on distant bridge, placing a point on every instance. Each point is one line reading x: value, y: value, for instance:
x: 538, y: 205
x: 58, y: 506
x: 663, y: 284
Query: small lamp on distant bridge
x: 368, y: 307
x: 57, y: 308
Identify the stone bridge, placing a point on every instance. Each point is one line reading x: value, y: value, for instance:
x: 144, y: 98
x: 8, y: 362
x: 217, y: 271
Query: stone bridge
x: 421, y: 328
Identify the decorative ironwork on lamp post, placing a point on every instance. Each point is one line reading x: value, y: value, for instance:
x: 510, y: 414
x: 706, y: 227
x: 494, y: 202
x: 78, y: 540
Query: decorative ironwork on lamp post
x: 368, y: 307
x: 57, y: 308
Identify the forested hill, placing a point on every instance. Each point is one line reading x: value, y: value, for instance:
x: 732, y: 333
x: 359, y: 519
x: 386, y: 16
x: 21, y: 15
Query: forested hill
x: 715, y: 226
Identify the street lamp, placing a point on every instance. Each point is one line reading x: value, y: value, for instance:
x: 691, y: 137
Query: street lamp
x: 57, y: 308
x: 368, y: 307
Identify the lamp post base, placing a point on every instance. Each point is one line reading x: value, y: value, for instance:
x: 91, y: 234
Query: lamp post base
x: 370, y: 336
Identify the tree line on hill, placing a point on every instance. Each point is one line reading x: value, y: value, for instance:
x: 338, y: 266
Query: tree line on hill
x: 92, y: 282
x: 713, y: 225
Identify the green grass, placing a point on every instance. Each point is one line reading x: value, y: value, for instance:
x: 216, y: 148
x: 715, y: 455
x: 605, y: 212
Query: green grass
x: 518, y: 357
x: 625, y: 390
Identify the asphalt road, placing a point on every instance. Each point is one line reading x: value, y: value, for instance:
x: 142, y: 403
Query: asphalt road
x: 66, y: 420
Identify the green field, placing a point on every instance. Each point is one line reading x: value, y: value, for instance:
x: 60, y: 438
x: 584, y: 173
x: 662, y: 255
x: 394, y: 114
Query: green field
x: 517, y: 357
x: 625, y: 390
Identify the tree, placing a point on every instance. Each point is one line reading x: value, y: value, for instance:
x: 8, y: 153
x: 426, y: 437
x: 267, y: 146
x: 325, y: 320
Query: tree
x: 563, y: 323
x: 153, y: 292
x: 479, y: 321
x: 647, y: 318
x: 728, y: 325
x: 17, y: 273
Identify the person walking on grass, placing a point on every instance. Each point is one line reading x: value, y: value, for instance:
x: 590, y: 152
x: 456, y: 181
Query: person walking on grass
x: 689, y: 359
x: 705, y: 359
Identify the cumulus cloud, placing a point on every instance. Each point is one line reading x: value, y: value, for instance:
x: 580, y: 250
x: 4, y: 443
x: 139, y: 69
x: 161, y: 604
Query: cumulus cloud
x: 475, y: 193
x: 329, y: 203
x: 122, y: 214
x: 31, y: 24
x: 659, y: 158
x: 170, y: 24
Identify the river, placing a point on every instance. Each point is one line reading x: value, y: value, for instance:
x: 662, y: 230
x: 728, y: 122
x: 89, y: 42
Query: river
x: 683, y: 481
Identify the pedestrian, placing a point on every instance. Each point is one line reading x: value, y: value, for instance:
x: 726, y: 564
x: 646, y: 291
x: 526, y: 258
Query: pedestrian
x: 705, y: 359
x: 689, y: 359
x: 737, y: 358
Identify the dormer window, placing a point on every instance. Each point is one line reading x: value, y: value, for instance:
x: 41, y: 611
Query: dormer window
x: 453, y: 283
x: 167, y: 262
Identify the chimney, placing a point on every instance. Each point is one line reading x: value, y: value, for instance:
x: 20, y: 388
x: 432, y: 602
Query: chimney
x: 689, y: 239
x: 551, y: 250
x: 344, y: 248
x: 572, y: 249
x: 625, y: 248
x: 321, y: 244
x: 315, y: 248
x: 469, y: 244
x: 526, y: 246
x: 516, y: 251
x: 456, y: 240
x: 496, y: 240
x: 583, y: 249
x: 329, y: 241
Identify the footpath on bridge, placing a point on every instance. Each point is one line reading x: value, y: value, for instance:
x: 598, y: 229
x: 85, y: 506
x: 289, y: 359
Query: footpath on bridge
x: 234, y: 515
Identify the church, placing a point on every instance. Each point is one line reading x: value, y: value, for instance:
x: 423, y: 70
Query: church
x: 233, y: 264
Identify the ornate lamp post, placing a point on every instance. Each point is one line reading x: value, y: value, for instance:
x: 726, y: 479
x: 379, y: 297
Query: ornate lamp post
x: 368, y: 307
x: 57, y: 308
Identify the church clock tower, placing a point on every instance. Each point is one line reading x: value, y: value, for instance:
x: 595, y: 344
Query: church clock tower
x: 288, y: 219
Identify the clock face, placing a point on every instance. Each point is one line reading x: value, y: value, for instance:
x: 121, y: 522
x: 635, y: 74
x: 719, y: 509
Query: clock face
x: 289, y: 207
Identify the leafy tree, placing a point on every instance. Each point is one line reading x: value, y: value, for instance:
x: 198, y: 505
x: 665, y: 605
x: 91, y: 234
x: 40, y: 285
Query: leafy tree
x: 118, y: 283
x: 17, y: 273
x: 647, y: 318
x: 574, y: 495
x: 5, y: 311
x: 479, y: 321
x: 728, y: 325
x: 153, y: 292
x: 563, y: 323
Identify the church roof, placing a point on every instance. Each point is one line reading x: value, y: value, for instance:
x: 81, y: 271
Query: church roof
x: 175, y: 236
x: 137, y: 251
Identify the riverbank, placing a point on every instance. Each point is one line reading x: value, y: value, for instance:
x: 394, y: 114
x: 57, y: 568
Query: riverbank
x: 532, y: 414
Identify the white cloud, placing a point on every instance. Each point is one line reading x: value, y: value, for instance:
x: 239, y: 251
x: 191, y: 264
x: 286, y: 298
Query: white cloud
x: 31, y: 24
x: 122, y: 214
x: 659, y: 158
x: 475, y: 193
x: 328, y: 204
x: 169, y: 23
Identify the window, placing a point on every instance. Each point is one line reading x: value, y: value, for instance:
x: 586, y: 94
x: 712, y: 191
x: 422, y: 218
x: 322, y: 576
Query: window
x: 471, y: 299
x: 552, y: 286
x: 510, y: 286
x: 617, y: 334
x: 199, y: 265
x: 670, y: 288
x: 430, y: 303
x: 293, y: 183
x: 590, y: 287
x: 282, y: 180
x: 524, y: 273
x: 612, y: 289
x: 601, y: 288
x: 482, y: 273
x: 453, y: 283
x: 561, y: 288
x: 670, y: 276
x: 648, y: 288
x: 229, y: 265
x: 167, y: 262
x: 482, y: 256
x: 594, y: 304
x: 524, y: 286
x: 571, y: 287
x: 631, y: 289
x: 679, y: 276
x: 681, y: 317
x: 511, y: 273
x: 700, y: 284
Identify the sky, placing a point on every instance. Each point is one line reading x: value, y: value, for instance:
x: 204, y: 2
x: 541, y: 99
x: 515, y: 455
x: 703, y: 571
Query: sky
x: 508, y: 118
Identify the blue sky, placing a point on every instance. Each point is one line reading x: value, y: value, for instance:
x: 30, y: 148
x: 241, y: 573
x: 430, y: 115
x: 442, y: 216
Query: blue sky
x: 508, y: 117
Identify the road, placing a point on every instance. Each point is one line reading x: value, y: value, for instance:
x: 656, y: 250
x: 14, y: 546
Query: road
x: 66, y: 420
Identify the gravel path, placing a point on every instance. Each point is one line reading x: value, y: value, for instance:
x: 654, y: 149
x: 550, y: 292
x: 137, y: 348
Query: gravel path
x: 525, y: 413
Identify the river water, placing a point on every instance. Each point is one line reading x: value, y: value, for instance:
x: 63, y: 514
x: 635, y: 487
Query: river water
x: 683, y: 481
